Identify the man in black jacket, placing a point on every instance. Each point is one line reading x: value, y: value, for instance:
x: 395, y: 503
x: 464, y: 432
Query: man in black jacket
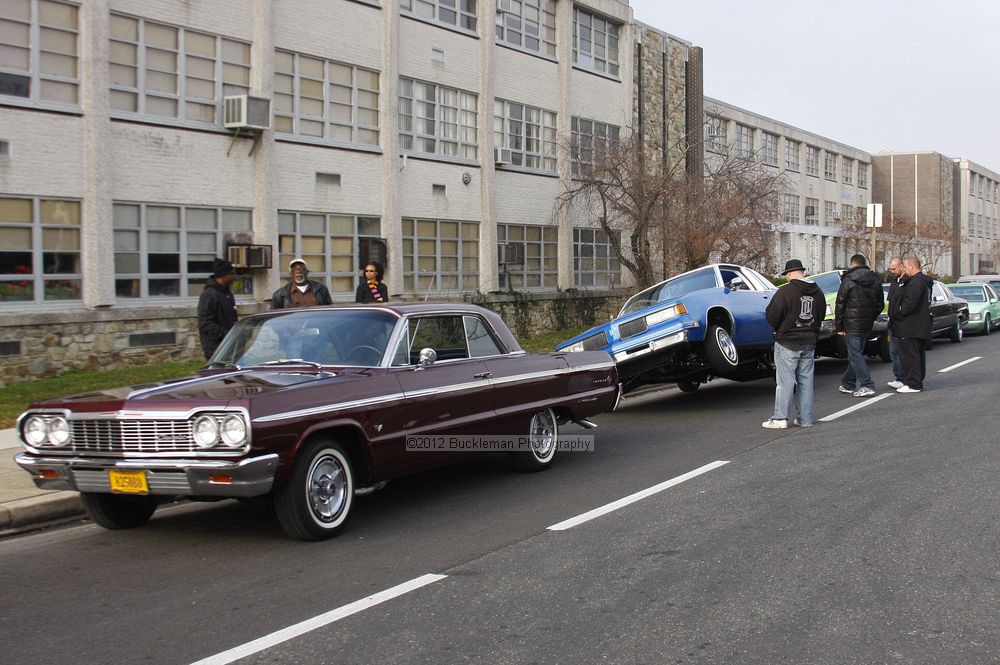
x: 910, y: 320
x: 859, y: 302
x: 896, y: 275
x: 216, y: 307
x: 795, y: 312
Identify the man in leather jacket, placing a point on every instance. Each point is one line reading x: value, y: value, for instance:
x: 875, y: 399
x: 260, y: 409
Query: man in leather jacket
x: 859, y: 302
x: 300, y: 290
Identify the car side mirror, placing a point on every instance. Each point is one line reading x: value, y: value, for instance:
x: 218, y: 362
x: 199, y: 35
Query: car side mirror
x: 427, y: 357
x: 737, y: 283
x: 938, y: 298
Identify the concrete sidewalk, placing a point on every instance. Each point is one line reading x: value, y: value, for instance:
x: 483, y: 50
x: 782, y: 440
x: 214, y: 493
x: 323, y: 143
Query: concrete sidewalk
x: 21, y: 503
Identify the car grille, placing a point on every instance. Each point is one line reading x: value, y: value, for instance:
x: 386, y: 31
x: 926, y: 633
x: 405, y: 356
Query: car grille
x: 595, y: 342
x: 632, y: 328
x: 119, y: 437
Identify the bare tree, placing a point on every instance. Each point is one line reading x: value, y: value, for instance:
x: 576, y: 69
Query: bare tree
x: 660, y: 220
x: 899, y: 237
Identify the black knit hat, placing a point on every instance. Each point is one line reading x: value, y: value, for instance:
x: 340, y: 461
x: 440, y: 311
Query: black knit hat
x: 222, y: 267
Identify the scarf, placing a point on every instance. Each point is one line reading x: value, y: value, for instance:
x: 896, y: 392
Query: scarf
x: 373, y: 287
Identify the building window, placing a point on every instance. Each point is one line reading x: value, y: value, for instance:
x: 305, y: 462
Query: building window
x: 862, y: 175
x: 829, y: 213
x: 812, y: 160
x: 848, y: 166
x: 437, y: 120
x: 812, y: 212
x: 39, y: 51
x: 592, y: 141
x: 330, y: 244
x: 460, y: 13
x: 830, y: 166
x: 792, y: 155
x: 540, y: 251
x: 440, y: 255
x: 163, y: 72
x: 744, y: 141
x: 527, y: 24
x: 324, y: 100
x: 39, y: 250
x: 595, y: 42
x: 791, y: 208
x: 716, y: 135
x: 594, y: 260
x: 769, y: 149
x: 164, y: 251
x: 528, y: 132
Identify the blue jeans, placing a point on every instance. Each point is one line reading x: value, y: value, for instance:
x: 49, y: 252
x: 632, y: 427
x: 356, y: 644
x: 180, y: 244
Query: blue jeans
x: 897, y: 362
x: 856, y: 376
x: 794, y: 374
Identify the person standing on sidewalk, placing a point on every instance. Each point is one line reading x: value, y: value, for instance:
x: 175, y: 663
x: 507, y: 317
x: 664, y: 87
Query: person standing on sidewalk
x: 859, y: 302
x: 896, y: 277
x: 795, y: 312
x: 216, y: 306
x: 910, y: 320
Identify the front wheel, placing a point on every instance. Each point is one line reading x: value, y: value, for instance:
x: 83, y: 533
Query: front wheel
x: 884, y: 351
x: 688, y: 386
x: 987, y: 325
x: 118, y: 511
x: 316, y: 501
x: 956, y: 332
x: 720, y: 350
x: 543, y: 433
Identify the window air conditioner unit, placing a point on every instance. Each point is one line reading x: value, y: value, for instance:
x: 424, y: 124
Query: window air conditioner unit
x: 510, y: 254
x: 249, y: 256
x: 246, y: 112
x: 501, y: 156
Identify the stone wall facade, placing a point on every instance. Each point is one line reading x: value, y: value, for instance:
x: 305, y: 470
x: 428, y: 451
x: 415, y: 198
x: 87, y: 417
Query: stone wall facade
x: 45, y: 345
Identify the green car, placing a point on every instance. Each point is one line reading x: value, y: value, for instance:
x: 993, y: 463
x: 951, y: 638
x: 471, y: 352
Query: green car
x: 984, y: 306
x: 829, y: 343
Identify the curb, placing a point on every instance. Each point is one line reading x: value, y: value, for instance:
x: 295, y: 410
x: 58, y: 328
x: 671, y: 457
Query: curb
x: 24, y: 512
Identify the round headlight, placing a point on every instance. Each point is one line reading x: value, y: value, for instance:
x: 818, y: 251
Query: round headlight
x: 36, y: 431
x: 59, y: 433
x: 233, y: 431
x: 206, y: 431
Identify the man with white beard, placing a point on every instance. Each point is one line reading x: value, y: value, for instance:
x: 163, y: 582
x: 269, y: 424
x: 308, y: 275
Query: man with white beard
x: 300, y: 290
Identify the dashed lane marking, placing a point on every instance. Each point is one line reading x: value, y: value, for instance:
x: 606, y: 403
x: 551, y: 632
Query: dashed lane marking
x: 851, y: 409
x: 957, y: 365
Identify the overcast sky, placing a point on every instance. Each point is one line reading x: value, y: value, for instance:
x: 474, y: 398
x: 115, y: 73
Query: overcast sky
x: 899, y: 75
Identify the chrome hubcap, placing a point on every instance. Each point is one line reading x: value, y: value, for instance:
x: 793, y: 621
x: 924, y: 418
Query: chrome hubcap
x: 726, y: 345
x: 327, y: 488
x: 542, y: 435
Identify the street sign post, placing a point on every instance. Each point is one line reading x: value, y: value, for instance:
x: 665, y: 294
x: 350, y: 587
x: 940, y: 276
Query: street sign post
x: 874, y: 221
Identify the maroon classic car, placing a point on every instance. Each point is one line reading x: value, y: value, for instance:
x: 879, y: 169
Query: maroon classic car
x: 311, y: 407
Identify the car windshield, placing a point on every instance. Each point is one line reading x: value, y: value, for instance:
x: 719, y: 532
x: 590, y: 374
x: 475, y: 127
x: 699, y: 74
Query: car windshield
x: 972, y: 293
x: 672, y: 288
x: 828, y: 282
x: 355, y: 337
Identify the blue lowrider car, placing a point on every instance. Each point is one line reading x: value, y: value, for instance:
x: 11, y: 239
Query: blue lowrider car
x: 699, y: 325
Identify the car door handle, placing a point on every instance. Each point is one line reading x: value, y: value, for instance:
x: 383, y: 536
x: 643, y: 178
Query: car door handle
x: 484, y: 375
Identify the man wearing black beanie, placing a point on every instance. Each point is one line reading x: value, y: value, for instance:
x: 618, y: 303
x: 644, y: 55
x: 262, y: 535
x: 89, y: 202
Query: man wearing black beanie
x: 216, y: 307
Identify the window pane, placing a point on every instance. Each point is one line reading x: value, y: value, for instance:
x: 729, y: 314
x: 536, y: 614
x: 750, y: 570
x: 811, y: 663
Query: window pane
x: 15, y: 210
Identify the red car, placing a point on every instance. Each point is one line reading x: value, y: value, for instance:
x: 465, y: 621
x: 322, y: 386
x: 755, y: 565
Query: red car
x: 312, y: 407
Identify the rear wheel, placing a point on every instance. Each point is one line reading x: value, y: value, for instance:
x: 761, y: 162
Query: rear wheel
x: 720, y: 350
x: 316, y: 501
x: 688, y: 386
x: 883, y: 349
x: 118, y: 511
x: 956, y: 332
x: 543, y: 432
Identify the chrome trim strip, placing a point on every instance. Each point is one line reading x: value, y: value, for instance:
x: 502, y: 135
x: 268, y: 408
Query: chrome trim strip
x: 426, y: 392
x: 193, y: 381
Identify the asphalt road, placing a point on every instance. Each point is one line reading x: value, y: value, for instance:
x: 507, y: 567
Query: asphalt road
x: 870, y: 538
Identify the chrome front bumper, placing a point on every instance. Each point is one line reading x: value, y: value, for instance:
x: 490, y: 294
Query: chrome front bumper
x: 173, y: 477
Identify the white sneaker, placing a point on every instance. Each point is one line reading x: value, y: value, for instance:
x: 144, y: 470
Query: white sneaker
x: 907, y: 389
x: 863, y: 392
x: 771, y: 423
x: 846, y: 391
x: 798, y: 423
x: 895, y: 385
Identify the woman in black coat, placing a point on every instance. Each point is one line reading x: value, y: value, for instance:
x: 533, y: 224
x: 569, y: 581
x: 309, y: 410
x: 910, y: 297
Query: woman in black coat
x: 372, y: 288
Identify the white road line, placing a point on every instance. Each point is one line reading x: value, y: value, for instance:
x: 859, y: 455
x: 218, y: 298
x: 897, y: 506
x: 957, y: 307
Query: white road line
x: 964, y: 362
x: 286, y: 634
x: 851, y: 409
x: 632, y: 498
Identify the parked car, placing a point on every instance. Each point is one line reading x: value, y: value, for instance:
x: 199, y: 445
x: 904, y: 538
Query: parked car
x: 948, y: 313
x: 829, y: 343
x: 984, y: 306
x: 696, y: 326
x: 311, y: 407
x: 992, y: 280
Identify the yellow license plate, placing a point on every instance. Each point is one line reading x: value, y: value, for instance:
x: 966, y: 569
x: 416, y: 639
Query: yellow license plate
x: 131, y: 482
